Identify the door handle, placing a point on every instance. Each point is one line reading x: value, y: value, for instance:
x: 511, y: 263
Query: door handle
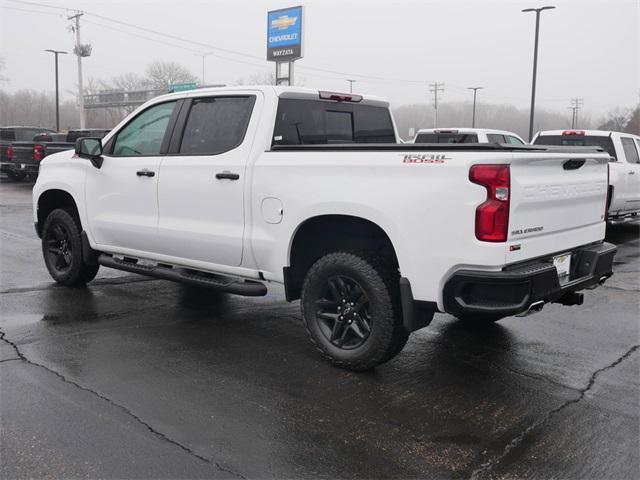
x: 227, y: 175
x: 146, y: 173
x: 632, y: 172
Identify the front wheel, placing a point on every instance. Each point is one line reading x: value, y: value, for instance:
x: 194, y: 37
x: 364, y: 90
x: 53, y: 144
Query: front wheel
x: 351, y: 309
x: 62, y: 250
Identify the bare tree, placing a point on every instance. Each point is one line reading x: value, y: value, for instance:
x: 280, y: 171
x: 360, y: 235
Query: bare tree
x: 616, y: 119
x: 165, y: 74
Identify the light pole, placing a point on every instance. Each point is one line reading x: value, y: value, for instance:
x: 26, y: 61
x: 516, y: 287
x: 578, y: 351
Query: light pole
x: 203, y: 55
x: 56, y: 53
x: 535, y: 64
x: 475, y: 91
x: 351, y: 82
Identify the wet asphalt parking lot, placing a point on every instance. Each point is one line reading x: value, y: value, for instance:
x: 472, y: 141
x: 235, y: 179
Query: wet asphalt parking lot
x: 141, y: 378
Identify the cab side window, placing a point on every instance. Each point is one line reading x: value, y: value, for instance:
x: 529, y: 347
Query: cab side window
x: 630, y: 151
x: 514, y: 140
x: 144, y: 134
x: 216, y: 124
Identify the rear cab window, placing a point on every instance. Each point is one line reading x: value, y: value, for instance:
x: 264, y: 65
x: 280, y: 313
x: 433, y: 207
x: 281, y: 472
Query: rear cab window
x: 317, y: 122
x: 442, y: 137
x: 604, y: 142
x: 496, y: 138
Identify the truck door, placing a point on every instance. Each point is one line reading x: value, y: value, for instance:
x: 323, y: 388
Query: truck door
x: 632, y: 174
x: 121, y: 196
x: 202, y: 179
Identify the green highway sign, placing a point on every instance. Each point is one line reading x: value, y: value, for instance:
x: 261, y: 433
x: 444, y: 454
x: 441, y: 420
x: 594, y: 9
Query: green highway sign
x: 181, y: 87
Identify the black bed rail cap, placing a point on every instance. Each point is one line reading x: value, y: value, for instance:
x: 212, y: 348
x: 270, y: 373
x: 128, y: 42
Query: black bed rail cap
x: 435, y: 147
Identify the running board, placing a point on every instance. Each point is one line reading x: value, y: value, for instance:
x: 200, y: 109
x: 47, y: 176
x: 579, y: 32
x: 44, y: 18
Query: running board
x: 248, y: 288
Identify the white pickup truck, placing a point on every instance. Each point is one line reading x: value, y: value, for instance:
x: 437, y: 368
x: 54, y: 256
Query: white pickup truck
x: 235, y: 188
x: 624, y: 165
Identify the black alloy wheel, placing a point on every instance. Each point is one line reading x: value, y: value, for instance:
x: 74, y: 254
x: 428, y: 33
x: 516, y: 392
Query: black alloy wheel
x: 343, y: 313
x: 59, y: 248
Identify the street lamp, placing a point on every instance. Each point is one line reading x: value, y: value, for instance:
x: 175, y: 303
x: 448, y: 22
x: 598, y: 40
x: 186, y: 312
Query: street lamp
x: 475, y: 91
x: 203, y: 55
x: 535, y: 64
x: 56, y: 53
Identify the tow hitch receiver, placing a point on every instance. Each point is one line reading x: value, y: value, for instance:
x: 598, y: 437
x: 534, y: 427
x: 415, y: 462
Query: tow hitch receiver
x: 571, y: 298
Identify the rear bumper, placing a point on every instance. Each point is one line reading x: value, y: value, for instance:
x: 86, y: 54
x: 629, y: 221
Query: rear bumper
x: 515, y: 289
x: 18, y: 166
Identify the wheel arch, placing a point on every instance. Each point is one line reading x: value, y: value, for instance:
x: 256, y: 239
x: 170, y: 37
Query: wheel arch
x: 50, y: 200
x: 324, y: 233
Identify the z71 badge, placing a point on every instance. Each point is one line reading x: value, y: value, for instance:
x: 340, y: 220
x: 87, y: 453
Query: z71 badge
x: 425, y: 158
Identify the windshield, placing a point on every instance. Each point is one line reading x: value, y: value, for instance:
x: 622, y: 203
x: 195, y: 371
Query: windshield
x: 578, y: 141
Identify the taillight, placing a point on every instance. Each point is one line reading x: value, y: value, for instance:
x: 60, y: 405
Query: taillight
x: 573, y: 132
x: 492, y: 216
x: 340, y: 97
x: 9, y: 152
x: 38, y: 152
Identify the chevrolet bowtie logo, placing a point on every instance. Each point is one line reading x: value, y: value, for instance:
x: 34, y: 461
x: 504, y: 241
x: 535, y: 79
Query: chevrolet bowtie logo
x: 283, y: 22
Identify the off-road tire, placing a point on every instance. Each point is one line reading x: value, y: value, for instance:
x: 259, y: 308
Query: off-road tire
x: 379, y: 282
x: 62, y: 249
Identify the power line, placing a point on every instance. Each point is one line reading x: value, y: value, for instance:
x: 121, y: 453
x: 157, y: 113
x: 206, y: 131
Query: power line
x: 258, y: 60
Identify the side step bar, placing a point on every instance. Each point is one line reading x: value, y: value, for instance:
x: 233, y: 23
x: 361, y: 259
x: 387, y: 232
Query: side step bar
x: 248, y: 288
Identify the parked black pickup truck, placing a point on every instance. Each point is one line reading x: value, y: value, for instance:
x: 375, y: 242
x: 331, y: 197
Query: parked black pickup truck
x: 11, y: 134
x: 27, y: 155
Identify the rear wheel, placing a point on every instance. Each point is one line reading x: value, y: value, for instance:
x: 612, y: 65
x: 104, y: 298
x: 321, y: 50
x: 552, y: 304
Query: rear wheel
x: 62, y: 250
x: 351, y: 310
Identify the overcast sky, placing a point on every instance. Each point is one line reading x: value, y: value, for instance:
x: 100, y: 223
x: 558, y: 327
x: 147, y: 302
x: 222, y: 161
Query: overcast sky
x: 393, y: 49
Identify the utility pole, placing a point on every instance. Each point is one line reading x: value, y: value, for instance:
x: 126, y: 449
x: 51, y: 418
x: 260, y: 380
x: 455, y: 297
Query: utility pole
x: 203, y: 55
x: 475, y: 91
x: 576, y: 103
x: 573, y: 117
x: 56, y: 52
x: 78, y: 50
x: 435, y: 88
x: 535, y: 65
x: 351, y: 82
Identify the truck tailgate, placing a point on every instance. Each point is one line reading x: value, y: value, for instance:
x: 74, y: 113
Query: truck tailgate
x: 556, y: 203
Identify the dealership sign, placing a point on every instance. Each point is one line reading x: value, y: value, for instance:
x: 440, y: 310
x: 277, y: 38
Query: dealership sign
x: 284, y: 34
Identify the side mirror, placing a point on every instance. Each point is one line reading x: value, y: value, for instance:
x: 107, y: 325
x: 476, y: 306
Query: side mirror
x: 91, y: 149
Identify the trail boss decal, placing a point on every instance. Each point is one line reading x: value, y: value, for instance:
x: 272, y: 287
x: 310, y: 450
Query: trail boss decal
x: 425, y: 158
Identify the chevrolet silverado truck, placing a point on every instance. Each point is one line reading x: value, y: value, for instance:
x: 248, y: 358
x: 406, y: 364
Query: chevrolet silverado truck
x: 624, y: 165
x: 239, y: 188
x: 11, y: 134
x: 27, y: 155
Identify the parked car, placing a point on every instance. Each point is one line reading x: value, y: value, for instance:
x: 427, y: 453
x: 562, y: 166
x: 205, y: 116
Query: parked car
x: 11, y: 134
x: 27, y: 155
x: 237, y: 188
x: 466, y: 135
x: 624, y: 167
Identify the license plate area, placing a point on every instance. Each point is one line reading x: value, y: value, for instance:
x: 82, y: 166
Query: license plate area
x: 563, y: 267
